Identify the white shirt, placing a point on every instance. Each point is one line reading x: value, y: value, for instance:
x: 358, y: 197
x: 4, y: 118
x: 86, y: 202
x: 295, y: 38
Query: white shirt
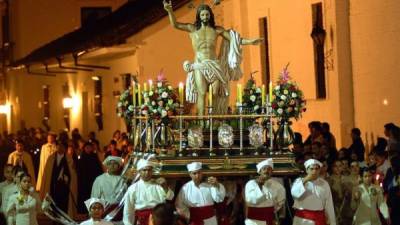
x: 371, y: 198
x: 3, y: 186
x: 197, y: 196
x: 6, y: 193
x: 59, y: 158
x: 143, y: 195
x: 272, y: 194
x: 25, y: 212
x: 91, y: 222
x: 106, y: 186
x: 313, y: 195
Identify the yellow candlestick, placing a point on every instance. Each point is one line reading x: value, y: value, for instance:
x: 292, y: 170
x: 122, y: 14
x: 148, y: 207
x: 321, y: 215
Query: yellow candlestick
x: 240, y: 93
x: 263, y: 95
x: 133, y: 93
x: 139, y: 96
x: 210, y: 96
x: 150, y: 85
x: 145, y: 87
x: 270, y: 91
x: 181, y: 93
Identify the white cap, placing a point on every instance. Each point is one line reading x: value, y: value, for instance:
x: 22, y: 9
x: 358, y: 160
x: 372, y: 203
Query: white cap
x: 268, y: 162
x: 113, y: 158
x: 311, y: 162
x: 143, y: 163
x: 194, y: 166
x: 91, y: 201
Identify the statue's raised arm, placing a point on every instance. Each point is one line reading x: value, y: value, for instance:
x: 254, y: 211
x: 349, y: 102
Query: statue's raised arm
x: 172, y: 19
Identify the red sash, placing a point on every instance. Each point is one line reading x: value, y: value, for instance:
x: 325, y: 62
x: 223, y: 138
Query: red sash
x: 261, y: 213
x: 222, y: 213
x: 199, y: 214
x: 142, y: 216
x: 318, y: 216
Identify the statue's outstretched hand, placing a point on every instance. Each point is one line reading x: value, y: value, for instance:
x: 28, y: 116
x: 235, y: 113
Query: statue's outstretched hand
x: 258, y: 41
x: 167, y: 5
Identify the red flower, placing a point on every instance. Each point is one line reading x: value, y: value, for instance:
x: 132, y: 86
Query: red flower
x: 274, y: 105
x: 304, y: 109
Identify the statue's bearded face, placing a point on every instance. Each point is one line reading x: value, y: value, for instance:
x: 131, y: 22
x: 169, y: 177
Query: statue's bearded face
x: 205, y: 16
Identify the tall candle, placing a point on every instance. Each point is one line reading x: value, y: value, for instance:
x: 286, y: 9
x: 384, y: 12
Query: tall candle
x: 150, y: 85
x: 270, y: 91
x: 240, y: 93
x: 263, y: 95
x: 145, y: 87
x: 210, y: 96
x: 181, y: 93
x: 139, y: 96
x: 133, y: 93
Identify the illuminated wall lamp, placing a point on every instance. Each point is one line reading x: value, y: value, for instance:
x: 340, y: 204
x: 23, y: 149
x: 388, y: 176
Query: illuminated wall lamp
x: 5, y: 109
x: 68, y: 103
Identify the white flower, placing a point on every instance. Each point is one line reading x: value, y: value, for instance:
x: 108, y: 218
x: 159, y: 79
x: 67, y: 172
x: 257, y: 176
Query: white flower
x: 280, y: 111
x: 169, y: 87
x: 151, y: 93
x: 170, y: 101
x: 153, y: 103
x: 258, y: 90
x: 146, y: 100
x: 119, y: 115
x: 256, y: 107
x: 166, y: 108
x: 294, y: 95
x: 253, y: 98
x: 283, y: 97
x: 285, y: 92
x: 277, y: 87
x: 145, y: 94
x: 144, y: 112
x: 159, y: 84
x: 154, y: 110
x: 119, y: 104
x: 164, y: 95
x: 131, y: 108
x: 164, y: 113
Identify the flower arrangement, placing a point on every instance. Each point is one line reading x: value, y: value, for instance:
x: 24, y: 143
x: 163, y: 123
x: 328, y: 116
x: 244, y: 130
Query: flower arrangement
x: 161, y: 101
x: 125, y: 108
x: 288, y: 100
x: 252, y: 97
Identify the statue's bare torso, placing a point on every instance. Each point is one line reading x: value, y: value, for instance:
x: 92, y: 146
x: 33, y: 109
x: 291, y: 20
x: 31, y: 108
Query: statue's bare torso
x: 204, y: 42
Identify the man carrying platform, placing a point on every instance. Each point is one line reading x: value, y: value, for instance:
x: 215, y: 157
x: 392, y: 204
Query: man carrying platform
x: 312, y: 198
x: 264, y: 196
x: 107, y: 185
x: 142, y: 196
x: 196, y: 199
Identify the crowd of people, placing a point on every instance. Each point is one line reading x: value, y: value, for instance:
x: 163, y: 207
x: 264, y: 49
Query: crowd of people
x: 345, y: 186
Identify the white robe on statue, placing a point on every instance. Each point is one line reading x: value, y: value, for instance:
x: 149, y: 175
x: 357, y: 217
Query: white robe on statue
x: 91, y: 222
x: 273, y: 194
x: 46, y: 151
x: 25, y: 212
x: 313, y: 195
x: 205, y: 195
x: 106, y: 186
x: 371, y: 200
x: 143, y: 195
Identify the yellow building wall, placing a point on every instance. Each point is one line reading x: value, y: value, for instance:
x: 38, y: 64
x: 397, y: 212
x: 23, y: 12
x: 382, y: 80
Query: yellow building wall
x: 375, y: 33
